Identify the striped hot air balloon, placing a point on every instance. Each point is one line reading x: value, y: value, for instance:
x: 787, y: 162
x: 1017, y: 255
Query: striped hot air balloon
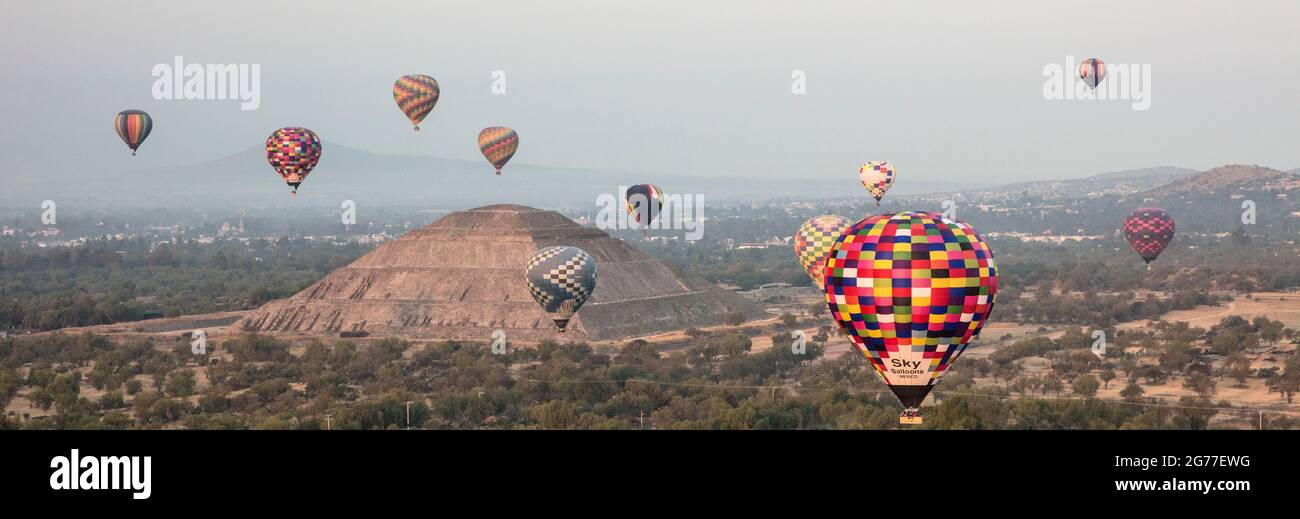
x: 293, y: 152
x: 1149, y: 230
x: 416, y: 95
x: 877, y: 177
x: 498, y: 144
x: 561, y: 279
x: 812, y: 244
x: 133, y: 126
x: 910, y: 290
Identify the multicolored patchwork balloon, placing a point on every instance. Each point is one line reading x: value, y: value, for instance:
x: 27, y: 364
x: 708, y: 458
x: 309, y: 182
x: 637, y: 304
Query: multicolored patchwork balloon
x: 876, y: 177
x: 644, y: 202
x: 498, y: 144
x: 561, y: 279
x: 812, y: 244
x: 1149, y: 230
x: 293, y: 152
x: 910, y: 289
x: 133, y: 126
x: 1092, y: 71
x: 416, y: 96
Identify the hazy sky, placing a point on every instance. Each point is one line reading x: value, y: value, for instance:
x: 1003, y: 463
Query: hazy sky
x: 941, y: 89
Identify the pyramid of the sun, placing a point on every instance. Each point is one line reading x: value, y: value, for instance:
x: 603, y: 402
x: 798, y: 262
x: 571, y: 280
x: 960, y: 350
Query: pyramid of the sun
x: 462, y: 277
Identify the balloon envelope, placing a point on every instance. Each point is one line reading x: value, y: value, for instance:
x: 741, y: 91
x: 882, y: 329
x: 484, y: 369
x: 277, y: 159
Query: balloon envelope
x: 416, y: 96
x: 644, y: 202
x: 1149, y: 230
x: 877, y: 177
x: 1092, y: 71
x: 910, y: 290
x: 133, y: 126
x: 293, y: 152
x: 498, y: 144
x: 561, y: 279
x: 813, y: 241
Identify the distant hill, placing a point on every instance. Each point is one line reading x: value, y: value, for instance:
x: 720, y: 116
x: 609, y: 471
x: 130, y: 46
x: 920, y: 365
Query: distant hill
x: 1230, y: 179
x: 1113, y: 183
x: 370, y: 178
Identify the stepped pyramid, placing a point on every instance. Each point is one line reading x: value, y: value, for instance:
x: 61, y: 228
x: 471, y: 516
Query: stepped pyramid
x: 462, y: 277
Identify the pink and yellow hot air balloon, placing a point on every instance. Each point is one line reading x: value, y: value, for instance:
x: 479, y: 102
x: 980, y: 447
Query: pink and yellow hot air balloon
x: 876, y: 177
x: 813, y: 241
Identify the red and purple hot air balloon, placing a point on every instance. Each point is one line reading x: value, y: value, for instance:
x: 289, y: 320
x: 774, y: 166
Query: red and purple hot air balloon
x: 1149, y: 230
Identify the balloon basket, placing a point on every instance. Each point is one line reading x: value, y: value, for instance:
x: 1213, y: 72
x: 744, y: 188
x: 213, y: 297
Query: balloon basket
x: 910, y: 417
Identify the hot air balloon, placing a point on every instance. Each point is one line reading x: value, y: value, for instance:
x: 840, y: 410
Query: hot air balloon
x: 876, y: 177
x: 416, y: 95
x: 293, y: 152
x: 812, y: 244
x: 133, y: 126
x: 644, y: 203
x: 1149, y: 230
x: 1092, y: 71
x: 910, y: 290
x: 498, y: 144
x: 561, y: 279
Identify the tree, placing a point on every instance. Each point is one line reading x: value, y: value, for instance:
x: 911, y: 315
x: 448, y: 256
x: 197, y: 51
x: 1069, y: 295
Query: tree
x: 181, y: 383
x: 789, y: 319
x: 1086, y: 386
x: 1053, y: 383
x: 1132, y: 392
x: 735, y: 318
x: 1201, y: 384
x: 1237, y: 367
x: 817, y: 309
x: 1107, y: 375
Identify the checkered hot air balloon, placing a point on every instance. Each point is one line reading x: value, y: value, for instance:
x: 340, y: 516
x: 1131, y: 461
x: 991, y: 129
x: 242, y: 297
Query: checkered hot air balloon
x: 910, y: 290
x: 293, y: 152
x: 133, y: 126
x: 561, y: 279
x: 416, y: 96
x: 1149, y: 230
x: 644, y: 202
x: 876, y: 177
x: 813, y: 241
x: 1092, y: 71
x: 498, y: 144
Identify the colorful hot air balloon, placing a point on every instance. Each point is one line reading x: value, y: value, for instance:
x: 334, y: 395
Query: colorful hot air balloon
x: 293, y: 152
x: 561, y: 279
x: 1149, y: 230
x: 910, y: 290
x: 644, y: 203
x: 1092, y: 71
x: 812, y: 244
x: 876, y: 177
x: 498, y: 144
x: 133, y: 126
x: 416, y: 95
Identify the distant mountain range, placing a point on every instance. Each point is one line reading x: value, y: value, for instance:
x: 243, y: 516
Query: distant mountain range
x: 1114, y: 183
x: 1229, y: 180
x: 369, y: 178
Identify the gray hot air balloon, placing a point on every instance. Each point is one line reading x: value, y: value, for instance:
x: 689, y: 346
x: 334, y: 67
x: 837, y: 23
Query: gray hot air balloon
x: 561, y: 279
